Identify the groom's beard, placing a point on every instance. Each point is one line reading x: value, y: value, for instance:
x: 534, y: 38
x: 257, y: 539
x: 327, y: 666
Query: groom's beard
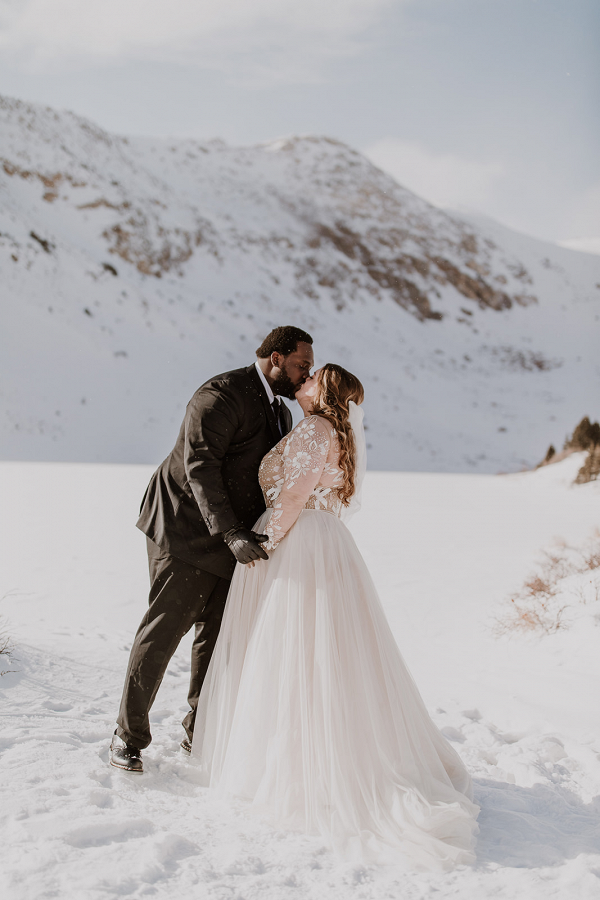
x: 284, y: 386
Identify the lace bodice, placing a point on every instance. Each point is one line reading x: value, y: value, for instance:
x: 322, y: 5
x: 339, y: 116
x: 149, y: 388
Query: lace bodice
x: 301, y: 472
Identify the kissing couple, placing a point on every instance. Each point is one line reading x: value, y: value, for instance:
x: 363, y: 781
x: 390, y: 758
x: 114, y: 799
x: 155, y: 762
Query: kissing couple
x: 300, y: 701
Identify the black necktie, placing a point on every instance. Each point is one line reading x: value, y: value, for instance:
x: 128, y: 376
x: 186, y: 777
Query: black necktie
x: 276, y: 407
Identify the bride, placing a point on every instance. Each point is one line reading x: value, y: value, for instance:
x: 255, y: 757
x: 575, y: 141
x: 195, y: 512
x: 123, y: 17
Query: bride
x: 307, y: 709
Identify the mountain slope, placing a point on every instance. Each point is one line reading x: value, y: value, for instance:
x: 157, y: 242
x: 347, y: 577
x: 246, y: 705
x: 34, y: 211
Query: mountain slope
x: 133, y: 269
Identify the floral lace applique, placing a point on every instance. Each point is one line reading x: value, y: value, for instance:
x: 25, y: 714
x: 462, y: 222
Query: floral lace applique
x: 301, y: 472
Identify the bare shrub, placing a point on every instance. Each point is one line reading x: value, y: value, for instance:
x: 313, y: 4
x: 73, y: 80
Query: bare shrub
x: 535, y: 613
x: 591, y: 553
x: 6, y: 651
x: 587, y: 593
x: 539, y: 587
x: 543, y: 602
x: 592, y: 560
x: 6, y: 647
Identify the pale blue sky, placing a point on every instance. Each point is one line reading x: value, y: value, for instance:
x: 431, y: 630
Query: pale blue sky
x: 489, y: 104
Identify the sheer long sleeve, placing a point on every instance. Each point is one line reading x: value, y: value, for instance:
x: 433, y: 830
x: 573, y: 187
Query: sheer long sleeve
x: 304, y: 458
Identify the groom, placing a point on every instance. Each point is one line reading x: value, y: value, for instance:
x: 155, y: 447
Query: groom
x: 197, y: 514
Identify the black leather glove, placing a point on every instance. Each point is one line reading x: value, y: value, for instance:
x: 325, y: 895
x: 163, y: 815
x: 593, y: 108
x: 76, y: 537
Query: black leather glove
x: 245, y: 544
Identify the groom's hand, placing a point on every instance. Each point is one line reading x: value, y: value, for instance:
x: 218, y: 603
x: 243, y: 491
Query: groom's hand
x: 245, y: 544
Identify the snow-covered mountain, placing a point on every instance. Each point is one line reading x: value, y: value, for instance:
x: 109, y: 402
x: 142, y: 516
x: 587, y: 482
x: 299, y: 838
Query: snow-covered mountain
x: 132, y: 269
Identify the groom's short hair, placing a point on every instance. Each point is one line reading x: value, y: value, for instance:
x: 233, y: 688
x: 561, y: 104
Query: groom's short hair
x: 283, y: 339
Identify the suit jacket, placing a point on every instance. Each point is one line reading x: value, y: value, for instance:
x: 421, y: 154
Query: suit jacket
x: 209, y: 481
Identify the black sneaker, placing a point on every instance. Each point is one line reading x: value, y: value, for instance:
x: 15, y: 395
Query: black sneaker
x: 124, y: 755
x: 186, y: 745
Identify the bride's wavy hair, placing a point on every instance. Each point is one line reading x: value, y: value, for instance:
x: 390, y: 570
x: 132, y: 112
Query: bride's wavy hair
x: 337, y: 387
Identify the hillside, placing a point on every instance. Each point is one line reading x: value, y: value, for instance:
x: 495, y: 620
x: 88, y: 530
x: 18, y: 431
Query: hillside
x: 132, y: 269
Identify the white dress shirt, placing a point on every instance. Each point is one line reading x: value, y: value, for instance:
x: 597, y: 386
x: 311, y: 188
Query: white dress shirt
x: 262, y: 377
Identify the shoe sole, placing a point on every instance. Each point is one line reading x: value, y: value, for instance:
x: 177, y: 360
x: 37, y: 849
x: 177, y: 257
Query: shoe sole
x: 185, y: 750
x: 126, y: 768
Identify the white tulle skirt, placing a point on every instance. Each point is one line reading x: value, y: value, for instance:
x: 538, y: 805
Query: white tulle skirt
x: 309, y: 712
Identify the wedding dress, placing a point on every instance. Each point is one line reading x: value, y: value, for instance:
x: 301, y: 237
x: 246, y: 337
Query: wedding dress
x: 307, y: 709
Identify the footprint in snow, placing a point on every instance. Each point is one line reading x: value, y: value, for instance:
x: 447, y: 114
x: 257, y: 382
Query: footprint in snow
x: 97, y: 834
x: 101, y: 798
x: 55, y: 706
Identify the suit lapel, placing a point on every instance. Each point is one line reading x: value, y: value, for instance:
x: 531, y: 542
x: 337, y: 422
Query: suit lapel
x: 255, y: 379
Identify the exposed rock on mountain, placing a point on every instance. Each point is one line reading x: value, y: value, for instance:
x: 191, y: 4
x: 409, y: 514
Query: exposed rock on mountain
x: 590, y: 470
x: 132, y: 269
x: 586, y: 436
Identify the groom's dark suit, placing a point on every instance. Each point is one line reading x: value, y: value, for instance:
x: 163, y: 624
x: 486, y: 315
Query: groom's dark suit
x: 207, y: 484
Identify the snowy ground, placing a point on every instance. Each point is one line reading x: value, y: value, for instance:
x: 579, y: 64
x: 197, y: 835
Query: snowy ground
x: 445, y: 551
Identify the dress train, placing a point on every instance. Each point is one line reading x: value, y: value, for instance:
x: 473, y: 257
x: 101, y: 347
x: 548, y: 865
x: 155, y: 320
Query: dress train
x: 309, y: 712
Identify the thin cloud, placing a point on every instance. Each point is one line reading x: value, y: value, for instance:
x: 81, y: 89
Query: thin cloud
x: 442, y: 178
x: 583, y: 217
x: 278, y: 39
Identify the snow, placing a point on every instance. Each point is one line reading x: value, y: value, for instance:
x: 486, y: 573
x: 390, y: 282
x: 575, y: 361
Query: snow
x: 100, y: 355
x: 585, y: 245
x: 446, y: 550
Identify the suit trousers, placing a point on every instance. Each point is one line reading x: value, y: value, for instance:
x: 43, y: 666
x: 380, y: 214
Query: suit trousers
x: 181, y: 597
